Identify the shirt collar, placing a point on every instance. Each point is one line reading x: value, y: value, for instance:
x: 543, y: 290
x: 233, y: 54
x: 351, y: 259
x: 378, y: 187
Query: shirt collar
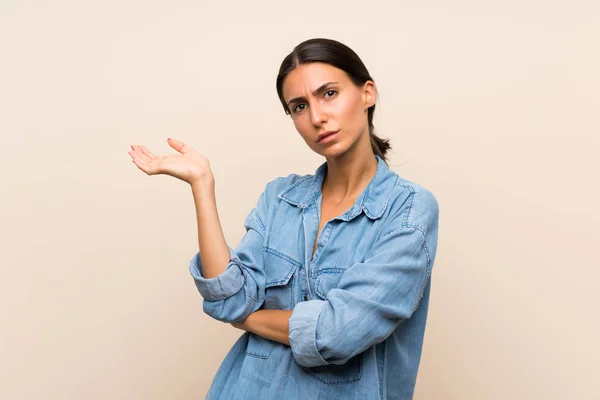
x: 373, y: 199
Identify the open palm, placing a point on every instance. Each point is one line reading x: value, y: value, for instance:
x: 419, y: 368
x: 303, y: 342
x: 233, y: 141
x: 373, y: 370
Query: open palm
x: 188, y: 165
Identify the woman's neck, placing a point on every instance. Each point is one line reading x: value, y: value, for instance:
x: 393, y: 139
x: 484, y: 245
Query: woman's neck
x: 348, y: 175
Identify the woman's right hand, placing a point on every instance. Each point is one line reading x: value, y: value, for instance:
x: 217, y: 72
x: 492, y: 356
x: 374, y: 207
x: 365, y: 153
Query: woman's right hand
x: 189, y: 165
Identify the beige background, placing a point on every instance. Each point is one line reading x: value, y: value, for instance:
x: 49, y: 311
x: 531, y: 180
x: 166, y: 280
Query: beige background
x: 494, y: 107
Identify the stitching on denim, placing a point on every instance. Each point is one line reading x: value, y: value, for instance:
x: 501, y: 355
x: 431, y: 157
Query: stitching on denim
x: 306, y: 177
x: 260, y: 222
x: 281, y: 255
x: 266, y: 348
x: 389, y: 197
x: 340, y: 379
x: 387, y: 201
x: 428, y: 261
x: 318, y: 192
x: 397, y: 183
x: 285, y: 191
x: 419, y: 228
x: 390, y: 232
x: 311, y: 200
x: 365, y: 197
x: 295, y: 265
x: 416, y: 227
x: 412, y: 199
x: 426, y: 280
x: 409, y: 187
x: 329, y: 271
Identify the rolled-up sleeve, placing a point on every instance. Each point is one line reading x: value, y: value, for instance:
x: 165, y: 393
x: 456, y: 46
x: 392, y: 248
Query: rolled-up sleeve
x: 222, y: 286
x: 372, y: 297
x: 302, y: 331
x: 240, y: 289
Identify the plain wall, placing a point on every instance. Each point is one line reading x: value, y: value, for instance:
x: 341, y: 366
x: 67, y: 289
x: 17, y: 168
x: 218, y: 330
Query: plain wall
x: 493, y: 106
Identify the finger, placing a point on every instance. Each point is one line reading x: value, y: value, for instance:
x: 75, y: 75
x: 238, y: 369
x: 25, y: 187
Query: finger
x: 140, y: 164
x: 179, y: 146
x: 134, y: 155
x: 140, y: 154
x: 148, y: 168
x: 147, y: 152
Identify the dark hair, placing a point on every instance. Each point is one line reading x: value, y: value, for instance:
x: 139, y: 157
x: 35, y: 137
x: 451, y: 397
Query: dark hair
x: 340, y: 56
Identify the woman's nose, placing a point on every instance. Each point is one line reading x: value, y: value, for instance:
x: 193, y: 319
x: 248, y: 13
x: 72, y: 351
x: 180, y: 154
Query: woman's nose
x: 317, y: 114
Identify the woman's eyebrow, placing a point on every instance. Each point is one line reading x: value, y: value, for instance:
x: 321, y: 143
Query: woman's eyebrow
x: 319, y: 90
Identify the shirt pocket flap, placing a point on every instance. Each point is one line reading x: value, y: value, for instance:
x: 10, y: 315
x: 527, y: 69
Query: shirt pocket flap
x: 279, y: 268
x: 327, y: 280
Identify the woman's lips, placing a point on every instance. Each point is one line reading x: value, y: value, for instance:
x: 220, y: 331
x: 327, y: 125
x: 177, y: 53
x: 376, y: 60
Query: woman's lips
x: 328, y: 138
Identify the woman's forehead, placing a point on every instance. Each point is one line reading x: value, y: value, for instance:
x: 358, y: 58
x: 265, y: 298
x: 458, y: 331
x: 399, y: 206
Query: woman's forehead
x: 306, y: 78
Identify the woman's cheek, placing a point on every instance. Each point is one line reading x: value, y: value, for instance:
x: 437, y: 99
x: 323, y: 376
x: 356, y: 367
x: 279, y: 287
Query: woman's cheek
x: 302, y: 129
x: 299, y: 126
x: 345, y: 109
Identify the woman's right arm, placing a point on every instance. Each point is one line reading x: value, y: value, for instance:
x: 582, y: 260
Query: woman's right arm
x: 211, y: 242
x: 232, y: 282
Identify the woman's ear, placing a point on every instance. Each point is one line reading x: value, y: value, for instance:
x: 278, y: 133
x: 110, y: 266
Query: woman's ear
x: 369, y: 94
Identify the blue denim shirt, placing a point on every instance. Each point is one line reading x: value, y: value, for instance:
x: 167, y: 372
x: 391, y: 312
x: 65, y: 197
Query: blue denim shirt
x: 359, y: 304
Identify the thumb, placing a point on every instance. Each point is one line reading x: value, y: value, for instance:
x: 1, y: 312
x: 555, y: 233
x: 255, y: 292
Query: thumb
x: 179, y: 146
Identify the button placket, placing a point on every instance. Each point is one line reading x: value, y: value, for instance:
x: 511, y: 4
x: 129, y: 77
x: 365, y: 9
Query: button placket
x: 306, y: 217
x: 321, y: 242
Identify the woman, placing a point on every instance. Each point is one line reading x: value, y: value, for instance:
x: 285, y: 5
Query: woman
x: 331, y: 280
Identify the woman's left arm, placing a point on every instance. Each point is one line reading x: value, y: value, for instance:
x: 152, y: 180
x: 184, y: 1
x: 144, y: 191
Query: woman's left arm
x: 270, y: 324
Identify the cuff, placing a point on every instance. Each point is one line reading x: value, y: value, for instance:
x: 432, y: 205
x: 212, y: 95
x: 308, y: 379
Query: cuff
x: 302, y: 333
x: 222, y: 286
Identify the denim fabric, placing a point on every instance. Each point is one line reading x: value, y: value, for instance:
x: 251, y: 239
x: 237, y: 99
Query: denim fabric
x: 359, y: 305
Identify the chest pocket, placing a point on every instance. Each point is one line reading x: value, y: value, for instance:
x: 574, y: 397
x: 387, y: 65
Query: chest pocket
x: 334, y: 373
x: 328, y: 279
x: 279, y: 270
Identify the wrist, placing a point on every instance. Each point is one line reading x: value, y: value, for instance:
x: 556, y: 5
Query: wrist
x: 206, y: 181
x: 247, y: 324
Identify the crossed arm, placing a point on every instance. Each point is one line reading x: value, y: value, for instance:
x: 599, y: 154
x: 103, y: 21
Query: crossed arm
x: 270, y: 324
x: 375, y: 294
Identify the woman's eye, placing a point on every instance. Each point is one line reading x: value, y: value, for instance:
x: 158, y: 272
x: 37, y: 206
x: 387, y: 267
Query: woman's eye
x: 331, y: 91
x: 296, y: 108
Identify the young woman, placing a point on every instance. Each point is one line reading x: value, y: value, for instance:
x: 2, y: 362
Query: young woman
x: 331, y: 280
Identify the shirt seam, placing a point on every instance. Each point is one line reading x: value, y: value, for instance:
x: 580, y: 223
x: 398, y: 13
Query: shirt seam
x: 415, y: 227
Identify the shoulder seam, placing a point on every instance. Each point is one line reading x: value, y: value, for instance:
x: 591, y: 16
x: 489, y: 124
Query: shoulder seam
x: 415, y: 227
x: 412, y: 198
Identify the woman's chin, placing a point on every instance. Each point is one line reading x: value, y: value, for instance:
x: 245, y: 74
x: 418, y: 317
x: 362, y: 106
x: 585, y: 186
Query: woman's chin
x: 332, y: 151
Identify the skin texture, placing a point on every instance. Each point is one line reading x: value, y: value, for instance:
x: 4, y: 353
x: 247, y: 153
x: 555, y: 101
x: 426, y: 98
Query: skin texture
x: 340, y: 105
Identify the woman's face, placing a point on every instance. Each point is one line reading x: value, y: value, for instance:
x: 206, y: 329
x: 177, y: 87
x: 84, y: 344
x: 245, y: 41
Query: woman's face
x: 322, y: 98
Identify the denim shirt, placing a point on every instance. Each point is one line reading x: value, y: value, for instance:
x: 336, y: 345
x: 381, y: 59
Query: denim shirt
x: 359, y: 304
